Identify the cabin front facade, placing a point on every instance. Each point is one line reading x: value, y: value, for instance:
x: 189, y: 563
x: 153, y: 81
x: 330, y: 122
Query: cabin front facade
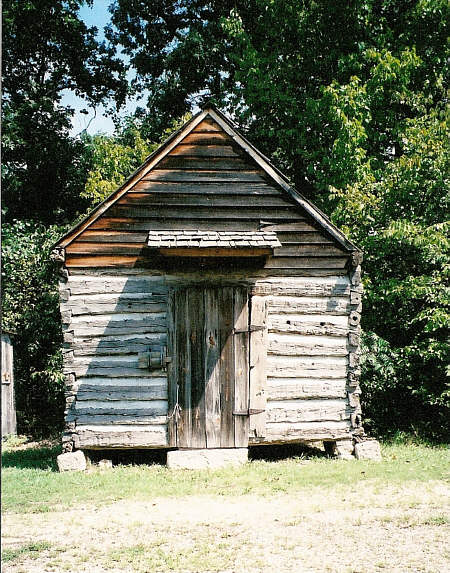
x: 206, y: 304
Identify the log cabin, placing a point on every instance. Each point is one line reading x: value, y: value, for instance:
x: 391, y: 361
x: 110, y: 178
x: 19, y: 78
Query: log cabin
x: 206, y: 304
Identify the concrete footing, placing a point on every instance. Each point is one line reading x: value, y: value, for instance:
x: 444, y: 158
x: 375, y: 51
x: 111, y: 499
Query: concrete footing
x: 207, y: 458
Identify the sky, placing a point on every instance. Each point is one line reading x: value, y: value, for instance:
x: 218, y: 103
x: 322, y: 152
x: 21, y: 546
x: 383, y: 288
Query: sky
x: 97, y: 16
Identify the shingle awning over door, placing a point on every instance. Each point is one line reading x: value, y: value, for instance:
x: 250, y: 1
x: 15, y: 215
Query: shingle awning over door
x: 213, y: 243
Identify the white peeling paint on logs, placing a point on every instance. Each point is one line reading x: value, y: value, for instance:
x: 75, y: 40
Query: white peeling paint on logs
x: 121, y: 436
x: 308, y: 305
x: 89, y: 342
x: 299, y: 286
x: 307, y: 367
x: 123, y: 318
x: 282, y: 431
x: 117, y: 372
x: 158, y: 405
x: 305, y: 388
x: 307, y: 411
x: 128, y: 381
x: 298, y: 345
x: 106, y: 428
x: 117, y: 329
x: 308, y: 326
x: 108, y: 298
x: 114, y: 308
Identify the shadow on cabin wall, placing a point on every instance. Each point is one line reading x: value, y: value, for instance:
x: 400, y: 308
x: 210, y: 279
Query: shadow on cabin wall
x: 113, y: 337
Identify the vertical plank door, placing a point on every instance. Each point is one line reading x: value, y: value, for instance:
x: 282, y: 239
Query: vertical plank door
x: 208, y: 375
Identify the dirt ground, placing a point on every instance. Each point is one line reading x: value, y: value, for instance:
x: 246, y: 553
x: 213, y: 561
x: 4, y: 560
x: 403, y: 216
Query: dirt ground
x: 395, y: 529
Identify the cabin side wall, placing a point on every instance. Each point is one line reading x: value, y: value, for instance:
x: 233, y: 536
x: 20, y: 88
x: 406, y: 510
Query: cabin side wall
x: 110, y: 317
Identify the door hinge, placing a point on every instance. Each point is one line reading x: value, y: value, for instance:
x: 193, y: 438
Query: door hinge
x: 248, y: 412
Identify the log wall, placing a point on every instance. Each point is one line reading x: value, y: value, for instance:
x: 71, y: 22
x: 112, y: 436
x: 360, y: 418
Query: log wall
x: 111, y: 317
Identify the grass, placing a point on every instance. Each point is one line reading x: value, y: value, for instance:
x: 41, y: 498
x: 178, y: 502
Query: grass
x: 31, y: 483
x: 30, y: 550
x: 296, y: 513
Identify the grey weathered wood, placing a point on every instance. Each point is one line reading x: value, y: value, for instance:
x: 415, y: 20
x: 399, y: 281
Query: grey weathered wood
x: 309, y: 305
x: 138, y: 418
x: 338, y: 286
x: 226, y: 378
x: 196, y: 313
x: 201, y: 212
x: 172, y: 371
x: 214, y: 163
x: 209, y: 176
x: 212, y: 369
x: 169, y: 188
x: 118, y: 393
x: 308, y: 411
x: 241, y: 366
x: 305, y: 345
x: 138, y: 306
x: 258, y: 366
x: 308, y: 236
x: 303, y: 431
x: 181, y: 200
x: 129, y: 436
x: 200, y: 138
x: 111, y: 372
x: 308, y: 250
x: 306, y: 262
x: 306, y: 367
x: 83, y: 285
x: 183, y: 379
x: 305, y: 388
x: 9, y: 421
x: 112, y: 237
x: 296, y: 325
x: 110, y: 248
x: 206, y: 151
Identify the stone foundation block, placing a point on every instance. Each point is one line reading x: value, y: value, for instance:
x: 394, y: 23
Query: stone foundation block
x: 343, y: 450
x: 71, y: 462
x: 368, y: 450
x: 207, y: 458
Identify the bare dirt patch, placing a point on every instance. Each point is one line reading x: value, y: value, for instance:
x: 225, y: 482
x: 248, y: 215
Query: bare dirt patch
x: 398, y: 529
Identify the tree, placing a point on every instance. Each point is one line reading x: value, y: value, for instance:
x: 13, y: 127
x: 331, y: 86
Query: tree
x: 30, y: 310
x: 47, y: 50
x: 348, y: 99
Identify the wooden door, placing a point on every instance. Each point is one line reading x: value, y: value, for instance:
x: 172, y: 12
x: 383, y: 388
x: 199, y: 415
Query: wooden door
x: 208, y: 340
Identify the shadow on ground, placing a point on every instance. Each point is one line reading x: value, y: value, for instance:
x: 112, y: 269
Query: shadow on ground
x: 41, y: 458
x: 44, y: 458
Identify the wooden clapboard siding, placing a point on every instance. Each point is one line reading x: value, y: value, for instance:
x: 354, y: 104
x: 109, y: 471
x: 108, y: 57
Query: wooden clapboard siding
x: 206, y: 182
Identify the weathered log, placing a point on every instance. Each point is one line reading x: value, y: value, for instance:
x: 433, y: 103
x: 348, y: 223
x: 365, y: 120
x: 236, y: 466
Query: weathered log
x: 303, y: 431
x: 298, y: 345
x: 305, y: 388
x: 307, y: 411
x: 120, y: 437
x: 309, y: 305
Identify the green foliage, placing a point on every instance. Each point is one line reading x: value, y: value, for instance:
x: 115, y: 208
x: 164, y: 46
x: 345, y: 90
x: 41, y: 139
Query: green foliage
x: 46, y: 50
x: 113, y: 158
x: 30, y: 304
x: 112, y: 161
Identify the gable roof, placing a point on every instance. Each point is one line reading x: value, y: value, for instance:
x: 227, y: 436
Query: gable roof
x: 210, y: 112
